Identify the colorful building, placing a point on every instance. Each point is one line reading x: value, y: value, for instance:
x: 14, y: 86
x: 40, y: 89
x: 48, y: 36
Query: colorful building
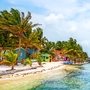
x: 58, y: 55
x: 46, y: 57
x: 22, y: 54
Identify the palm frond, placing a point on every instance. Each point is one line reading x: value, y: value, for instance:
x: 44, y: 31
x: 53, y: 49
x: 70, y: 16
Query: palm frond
x: 5, y: 62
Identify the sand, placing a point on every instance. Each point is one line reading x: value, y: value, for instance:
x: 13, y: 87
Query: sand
x: 24, y: 71
x: 26, y: 79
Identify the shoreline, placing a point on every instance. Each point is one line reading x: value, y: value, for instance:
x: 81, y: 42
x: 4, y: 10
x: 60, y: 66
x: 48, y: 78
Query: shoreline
x: 35, y: 69
x: 29, y: 79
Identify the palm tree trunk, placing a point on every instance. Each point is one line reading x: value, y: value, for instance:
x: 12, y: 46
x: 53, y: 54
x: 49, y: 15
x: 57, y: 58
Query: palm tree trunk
x: 19, y: 49
x: 12, y: 67
x: 26, y: 51
x: 19, y: 46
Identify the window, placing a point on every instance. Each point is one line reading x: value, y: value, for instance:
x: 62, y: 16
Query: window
x: 46, y: 57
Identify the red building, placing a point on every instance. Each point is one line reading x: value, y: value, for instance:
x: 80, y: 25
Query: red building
x: 58, y: 55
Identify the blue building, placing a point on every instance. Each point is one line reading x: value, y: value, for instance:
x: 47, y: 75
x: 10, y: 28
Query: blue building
x: 31, y: 51
x: 22, y: 55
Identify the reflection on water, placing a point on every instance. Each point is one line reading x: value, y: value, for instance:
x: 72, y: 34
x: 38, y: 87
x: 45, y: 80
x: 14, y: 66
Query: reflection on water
x: 79, y: 80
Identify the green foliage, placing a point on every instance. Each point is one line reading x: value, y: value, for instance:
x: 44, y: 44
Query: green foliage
x: 32, y: 39
x: 10, y: 59
x: 27, y: 61
x: 39, y: 60
x: 48, y: 48
x: 16, y: 30
x: 16, y: 23
x: 58, y: 45
x: 74, y: 50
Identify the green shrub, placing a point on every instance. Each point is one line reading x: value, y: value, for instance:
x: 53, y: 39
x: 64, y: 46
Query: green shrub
x: 39, y: 60
x: 27, y: 61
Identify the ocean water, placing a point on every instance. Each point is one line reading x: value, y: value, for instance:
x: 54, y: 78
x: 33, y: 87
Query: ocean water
x: 78, y: 80
x: 53, y: 80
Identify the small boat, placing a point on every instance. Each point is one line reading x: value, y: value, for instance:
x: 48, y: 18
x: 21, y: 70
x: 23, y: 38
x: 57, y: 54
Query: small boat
x: 68, y: 62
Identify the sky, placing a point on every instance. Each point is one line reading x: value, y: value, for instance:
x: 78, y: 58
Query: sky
x: 60, y: 19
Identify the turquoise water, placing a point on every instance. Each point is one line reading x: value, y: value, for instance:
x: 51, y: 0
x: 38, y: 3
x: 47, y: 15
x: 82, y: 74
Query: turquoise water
x: 78, y: 80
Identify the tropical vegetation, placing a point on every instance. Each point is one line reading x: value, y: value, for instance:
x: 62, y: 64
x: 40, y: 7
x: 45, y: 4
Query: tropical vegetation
x: 39, y: 60
x: 28, y: 61
x: 10, y: 59
x: 17, y: 30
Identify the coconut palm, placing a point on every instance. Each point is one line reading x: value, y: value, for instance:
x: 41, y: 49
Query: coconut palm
x: 58, y: 45
x: 73, y: 54
x: 7, y: 41
x: 10, y: 59
x: 16, y: 23
x: 31, y: 40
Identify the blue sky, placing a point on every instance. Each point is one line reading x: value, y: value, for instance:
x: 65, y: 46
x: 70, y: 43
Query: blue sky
x: 60, y: 19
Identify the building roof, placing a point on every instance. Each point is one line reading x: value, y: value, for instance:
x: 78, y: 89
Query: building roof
x: 20, y: 48
x: 58, y: 52
x: 45, y: 54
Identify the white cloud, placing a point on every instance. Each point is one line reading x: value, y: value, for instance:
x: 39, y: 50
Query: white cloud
x: 85, y: 7
x: 86, y: 25
x: 58, y: 6
x: 86, y: 43
x: 73, y: 26
x: 52, y: 18
x: 13, y: 1
x: 59, y: 23
x: 37, y: 18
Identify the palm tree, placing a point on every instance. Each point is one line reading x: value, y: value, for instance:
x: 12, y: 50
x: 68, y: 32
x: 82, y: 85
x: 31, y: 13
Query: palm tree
x: 7, y: 40
x: 58, y: 45
x: 10, y: 59
x: 27, y: 61
x: 73, y: 54
x: 39, y: 60
x: 31, y: 40
x: 49, y: 48
x: 73, y: 50
x: 16, y: 23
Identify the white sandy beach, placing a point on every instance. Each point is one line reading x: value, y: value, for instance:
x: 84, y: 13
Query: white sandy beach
x: 23, y: 71
x: 23, y: 80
